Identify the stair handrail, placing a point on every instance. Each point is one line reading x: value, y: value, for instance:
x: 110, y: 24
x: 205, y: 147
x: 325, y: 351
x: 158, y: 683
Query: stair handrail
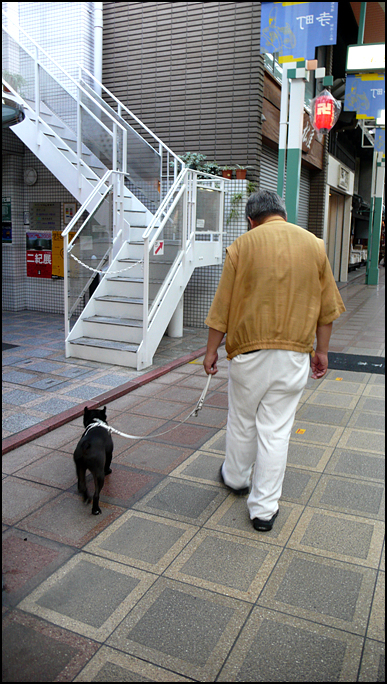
x: 122, y: 106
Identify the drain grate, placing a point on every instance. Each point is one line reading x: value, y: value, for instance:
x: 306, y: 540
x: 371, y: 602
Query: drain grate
x: 357, y: 363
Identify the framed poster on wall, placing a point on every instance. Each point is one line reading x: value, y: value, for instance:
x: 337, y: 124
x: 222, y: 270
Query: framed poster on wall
x: 39, y: 254
x: 69, y: 211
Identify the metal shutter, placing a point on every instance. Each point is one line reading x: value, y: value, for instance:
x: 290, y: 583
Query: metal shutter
x: 268, y: 181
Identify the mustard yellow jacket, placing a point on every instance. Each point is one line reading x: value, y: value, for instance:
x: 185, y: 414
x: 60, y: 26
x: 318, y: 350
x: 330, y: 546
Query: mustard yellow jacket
x: 276, y: 287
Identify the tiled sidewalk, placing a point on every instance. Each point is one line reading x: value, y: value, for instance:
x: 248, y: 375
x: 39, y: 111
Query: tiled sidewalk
x: 171, y: 582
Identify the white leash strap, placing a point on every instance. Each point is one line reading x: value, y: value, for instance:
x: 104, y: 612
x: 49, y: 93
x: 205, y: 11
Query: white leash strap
x: 198, y: 407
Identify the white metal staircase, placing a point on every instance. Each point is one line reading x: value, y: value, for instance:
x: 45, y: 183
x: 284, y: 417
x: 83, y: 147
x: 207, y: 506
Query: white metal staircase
x: 140, y: 208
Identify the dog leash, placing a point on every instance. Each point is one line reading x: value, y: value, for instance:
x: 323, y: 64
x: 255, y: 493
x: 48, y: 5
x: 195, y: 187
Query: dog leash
x: 99, y: 423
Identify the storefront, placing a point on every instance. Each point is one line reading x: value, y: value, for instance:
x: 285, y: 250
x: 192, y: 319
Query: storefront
x: 338, y: 213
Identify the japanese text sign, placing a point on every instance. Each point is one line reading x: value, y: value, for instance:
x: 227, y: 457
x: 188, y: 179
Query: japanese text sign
x: 364, y: 94
x: 39, y: 255
x: 297, y: 28
x: 380, y: 140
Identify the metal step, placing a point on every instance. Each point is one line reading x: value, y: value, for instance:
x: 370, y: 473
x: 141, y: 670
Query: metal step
x: 106, y: 344
x: 114, y: 320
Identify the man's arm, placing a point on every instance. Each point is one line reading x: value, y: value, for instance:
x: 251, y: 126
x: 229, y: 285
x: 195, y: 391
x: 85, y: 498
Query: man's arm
x: 214, y: 339
x: 319, y: 361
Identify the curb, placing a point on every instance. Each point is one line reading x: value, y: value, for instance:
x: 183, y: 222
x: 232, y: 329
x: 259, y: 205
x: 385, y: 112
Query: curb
x: 25, y: 436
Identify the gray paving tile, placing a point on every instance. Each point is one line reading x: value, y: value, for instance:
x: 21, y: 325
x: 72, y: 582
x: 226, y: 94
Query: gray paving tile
x: 157, y: 628
x: 180, y: 500
x: 19, y: 498
x: 143, y: 541
x: 339, y: 536
x: 372, y: 667
x: 363, y: 440
x: 304, y: 651
x: 50, y: 384
x: 41, y: 366
x: 19, y: 378
x: 200, y: 467
x: 308, y: 456
x: 315, y: 433
x: 349, y: 496
x: 357, y: 464
x: 369, y: 421
x: 320, y: 589
x: 298, y: 485
x: 109, y: 665
x: 88, y: 595
x: 19, y: 422
x: 226, y: 564
x: 324, y: 414
x: 19, y: 397
x: 55, y: 406
x: 84, y: 392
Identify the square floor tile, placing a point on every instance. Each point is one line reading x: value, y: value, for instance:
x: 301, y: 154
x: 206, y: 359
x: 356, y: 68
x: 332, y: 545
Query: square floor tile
x: 298, y: 485
x: 109, y: 665
x: 320, y: 589
x: 20, y: 498
x: 143, y: 541
x: 27, y: 560
x: 45, y: 652
x: 369, y: 421
x: 304, y: 651
x: 19, y: 397
x: 376, y: 627
x: 339, y: 536
x: 200, y: 467
x: 185, y: 435
x: 372, y: 667
x: 222, y: 563
x: 68, y: 520
x: 328, y: 415
x: 315, y: 433
x: 183, y: 628
x: 334, y: 399
x: 22, y: 456
x: 342, y: 386
x: 363, y: 440
x: 232, y: 517
x: 88, y: 595
x: 357, y: 464
x: 16, y: 423
x: 153, y: 456
x: 55, y: 469
x: 308, y: 456
x: 217, y: 443
x: 158, y: 408
x: 350, y: 496
x: 181, y: 500
x: 17, y: 378
x: 124, y: 486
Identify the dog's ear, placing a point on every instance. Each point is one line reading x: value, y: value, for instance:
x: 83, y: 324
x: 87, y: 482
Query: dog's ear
x: 104, y: 412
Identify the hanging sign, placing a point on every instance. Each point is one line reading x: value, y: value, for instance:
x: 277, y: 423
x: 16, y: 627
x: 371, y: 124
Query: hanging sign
x: 380, y: 139
x: 6, y: 220
x: 364, y: 94
x: 296, y: 28
x: 57, y: 253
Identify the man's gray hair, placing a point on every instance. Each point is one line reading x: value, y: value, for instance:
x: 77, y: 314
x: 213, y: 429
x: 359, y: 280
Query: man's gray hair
x: 265, y: 203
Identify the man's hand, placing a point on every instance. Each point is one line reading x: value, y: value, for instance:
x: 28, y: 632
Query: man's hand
x: 319, y: 365
x: 214, y: 339
x: 209, y: 363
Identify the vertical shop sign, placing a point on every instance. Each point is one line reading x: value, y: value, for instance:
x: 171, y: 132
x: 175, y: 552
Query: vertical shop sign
x: 57, y: 253
x: 6, y: 220
x: 39, y: 254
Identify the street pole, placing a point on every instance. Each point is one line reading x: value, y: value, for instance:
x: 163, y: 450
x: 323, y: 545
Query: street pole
x: 372, y: 276
x: 296, y: 119
x: 283, y: 127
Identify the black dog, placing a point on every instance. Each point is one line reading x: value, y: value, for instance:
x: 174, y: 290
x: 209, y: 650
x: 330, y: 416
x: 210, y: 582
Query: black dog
x: 93, y: 452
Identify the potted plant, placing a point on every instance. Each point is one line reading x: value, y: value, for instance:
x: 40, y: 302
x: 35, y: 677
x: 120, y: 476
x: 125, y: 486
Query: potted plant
x: 196, y: 161
x: 234, y: 212
x: 240, y: 171
x: 226, y: 171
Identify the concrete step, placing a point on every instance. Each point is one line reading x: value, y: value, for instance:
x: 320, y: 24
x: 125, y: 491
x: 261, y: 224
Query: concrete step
x: 125, y: 307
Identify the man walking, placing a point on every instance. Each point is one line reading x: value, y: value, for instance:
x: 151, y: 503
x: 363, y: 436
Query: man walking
x: 276, y: 294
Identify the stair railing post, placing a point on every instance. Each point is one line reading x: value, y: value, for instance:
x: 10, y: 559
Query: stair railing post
x: 37, y: 87
x: 161, y: 171
x: 221, y: 218
x: 66, y: 292
x: 145, y: 307
x: 79, y: 132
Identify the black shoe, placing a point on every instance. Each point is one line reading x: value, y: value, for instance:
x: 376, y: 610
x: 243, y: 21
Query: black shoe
x: 238, y: 492
x: 264, y: 525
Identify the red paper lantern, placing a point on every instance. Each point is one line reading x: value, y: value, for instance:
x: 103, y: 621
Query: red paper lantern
x: 324, y: 113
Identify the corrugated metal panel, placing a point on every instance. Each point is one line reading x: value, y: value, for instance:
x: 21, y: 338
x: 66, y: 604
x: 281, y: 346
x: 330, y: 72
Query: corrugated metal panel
x: 192, y: 72
x: 268, y: 181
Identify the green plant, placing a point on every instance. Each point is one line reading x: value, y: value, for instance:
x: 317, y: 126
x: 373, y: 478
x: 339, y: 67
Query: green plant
x: 243, y: 166
x: 234, y: 213
x: 16, y: 81
x: 250, y: 188
x: 196, y: 161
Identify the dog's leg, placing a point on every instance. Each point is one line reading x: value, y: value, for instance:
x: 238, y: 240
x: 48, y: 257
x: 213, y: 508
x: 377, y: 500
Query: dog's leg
x: 82, y: 487
x: 109, y: 456
x: 98, y: 484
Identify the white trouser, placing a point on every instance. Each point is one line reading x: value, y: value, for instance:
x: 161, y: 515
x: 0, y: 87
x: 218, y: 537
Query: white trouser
x: 263, y: 393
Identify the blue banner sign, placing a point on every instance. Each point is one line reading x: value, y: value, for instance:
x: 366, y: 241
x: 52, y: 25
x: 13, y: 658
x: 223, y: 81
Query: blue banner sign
x: 364, y: 94
x: 380, y: 139
x: 296, y: 28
